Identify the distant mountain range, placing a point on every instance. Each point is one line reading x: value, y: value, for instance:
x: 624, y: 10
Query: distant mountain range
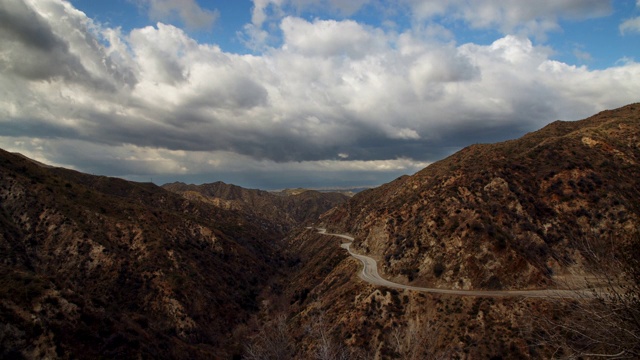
x: 284, y: 210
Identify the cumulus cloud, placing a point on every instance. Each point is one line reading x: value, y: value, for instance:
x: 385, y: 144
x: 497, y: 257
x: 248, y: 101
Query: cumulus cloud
x: 581, y: 54
x: 509, y: 16
x: 186, y: 11
x: 337, y: 99
x: 263, y: 8
x: 327, y: 38
x: 630, y: 26
x: 34, y: 50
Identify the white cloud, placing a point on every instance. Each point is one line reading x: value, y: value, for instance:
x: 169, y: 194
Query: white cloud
x: 254, y: 38
x: 404, y: 134
x: 340, y: 7
x: 337, y: 97
x: 326, y: 38
x: 262, y: 10
x: 186, y: 11
x: 582, y: 55
x: 511, y: 15
x: 630, y: 26
x: 508, y: 16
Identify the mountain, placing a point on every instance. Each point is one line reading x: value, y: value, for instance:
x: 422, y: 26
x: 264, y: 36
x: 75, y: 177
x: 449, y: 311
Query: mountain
x: 95, y: 267
x: 349, y: 191
x: 98, y: 267
x: 281, y: 211
x: 508, y: 215
x: 558, y: 207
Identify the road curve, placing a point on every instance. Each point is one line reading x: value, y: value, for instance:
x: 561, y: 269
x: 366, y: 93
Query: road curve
x: 370, y: 274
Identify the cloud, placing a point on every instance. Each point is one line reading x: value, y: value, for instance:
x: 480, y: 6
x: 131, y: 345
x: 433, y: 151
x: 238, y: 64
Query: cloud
x: 508, y: 16
x: 630, y: 26
x: 336, y: 100
x: 326, y: 38
x: 186, y: 11
x: 278, y: 8
x: 33, y: 50
x: 582, y: 55
x: 162, y: 165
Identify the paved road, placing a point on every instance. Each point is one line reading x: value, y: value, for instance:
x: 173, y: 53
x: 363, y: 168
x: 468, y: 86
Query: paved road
x: 370, y: 274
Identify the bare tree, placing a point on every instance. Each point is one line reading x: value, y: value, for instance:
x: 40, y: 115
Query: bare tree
x: 327, y: 347
x: 273, y: 341
x: 418, y: 340
x: 605, y: 323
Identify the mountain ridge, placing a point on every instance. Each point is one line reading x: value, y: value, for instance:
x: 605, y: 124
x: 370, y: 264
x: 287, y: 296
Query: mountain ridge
x: 556, y: 206
x: 488, y: 194
x: 285, y: 210
x: 96, y: 266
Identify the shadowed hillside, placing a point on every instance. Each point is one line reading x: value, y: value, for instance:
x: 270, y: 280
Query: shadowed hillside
x: 281, y: 211
x: 101, y: 267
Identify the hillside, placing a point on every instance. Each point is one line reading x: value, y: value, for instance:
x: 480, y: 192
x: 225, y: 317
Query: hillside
x: 98, y: 267
x: 101, y: 267
x: 556, y: 208
x: 281, y: 211
x: 507, y: 215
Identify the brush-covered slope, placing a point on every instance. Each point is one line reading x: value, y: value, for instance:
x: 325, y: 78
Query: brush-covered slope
x: 96, y: 267
x: 279, y: 211
x: 517, y: 214
x: 507, y: 215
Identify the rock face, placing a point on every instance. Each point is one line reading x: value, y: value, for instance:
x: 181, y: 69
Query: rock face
x: 284, y: 210
x: 506, y: 215
x: 101, y: 267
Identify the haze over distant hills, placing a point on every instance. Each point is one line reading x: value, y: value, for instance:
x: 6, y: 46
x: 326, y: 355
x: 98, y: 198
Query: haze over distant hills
x: 101, y: 267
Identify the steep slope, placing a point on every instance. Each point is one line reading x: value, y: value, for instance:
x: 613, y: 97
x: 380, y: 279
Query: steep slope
x: 101, y: 267
x: 326, y: 311
x: 280, y: 211
x: 506, y: 215
x: 522, y: 214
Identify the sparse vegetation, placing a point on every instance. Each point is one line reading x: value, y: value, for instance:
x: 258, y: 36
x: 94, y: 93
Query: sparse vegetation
x: 109, y: 268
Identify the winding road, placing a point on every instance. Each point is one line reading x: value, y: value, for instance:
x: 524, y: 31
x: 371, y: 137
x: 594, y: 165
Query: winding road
x: 370, y: 274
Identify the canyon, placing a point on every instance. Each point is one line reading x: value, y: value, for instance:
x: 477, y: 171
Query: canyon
x: 484, y: 254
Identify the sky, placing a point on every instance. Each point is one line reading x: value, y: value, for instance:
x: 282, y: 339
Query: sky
x: 274, y: 94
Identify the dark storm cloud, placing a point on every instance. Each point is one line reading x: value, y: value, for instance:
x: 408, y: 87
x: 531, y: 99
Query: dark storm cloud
x: 30, y: 48
x: 21, y: 23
